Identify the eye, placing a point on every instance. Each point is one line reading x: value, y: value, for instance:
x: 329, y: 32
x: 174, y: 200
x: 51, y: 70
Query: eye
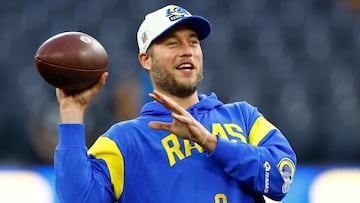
x: 194, y: 42
x: 171, y: 43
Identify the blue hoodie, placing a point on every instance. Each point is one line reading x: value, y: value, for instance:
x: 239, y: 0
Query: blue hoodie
x: 133, y: 163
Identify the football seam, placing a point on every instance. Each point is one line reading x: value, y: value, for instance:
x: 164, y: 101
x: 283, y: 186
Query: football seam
x: 70, y: 68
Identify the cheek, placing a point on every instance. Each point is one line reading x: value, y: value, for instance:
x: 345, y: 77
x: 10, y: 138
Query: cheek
x: 198, y: 52
x: 199, y: 57
x: 161, y: 52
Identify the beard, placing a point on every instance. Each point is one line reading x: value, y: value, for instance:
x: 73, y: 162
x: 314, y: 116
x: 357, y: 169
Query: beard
x: 166, y: 80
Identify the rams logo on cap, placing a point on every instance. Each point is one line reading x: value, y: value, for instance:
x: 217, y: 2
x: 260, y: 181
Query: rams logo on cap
x: 176, y: 12
x: 287, y: 171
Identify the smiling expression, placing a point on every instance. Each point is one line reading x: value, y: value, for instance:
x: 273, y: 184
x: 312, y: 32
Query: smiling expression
x: 176, y: 61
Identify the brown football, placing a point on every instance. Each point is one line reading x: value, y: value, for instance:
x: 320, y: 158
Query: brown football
x: 71, y: 61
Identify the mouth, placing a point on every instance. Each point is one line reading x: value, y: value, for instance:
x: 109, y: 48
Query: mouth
x: 185, y: 66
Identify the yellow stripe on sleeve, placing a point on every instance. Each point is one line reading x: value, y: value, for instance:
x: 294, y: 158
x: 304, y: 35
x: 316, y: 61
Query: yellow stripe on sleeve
x: 259, y: 130
x: 106, y: 149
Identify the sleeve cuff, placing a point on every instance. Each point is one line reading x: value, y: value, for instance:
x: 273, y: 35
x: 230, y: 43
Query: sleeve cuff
x: 224, y: 151
x: 71, y: 135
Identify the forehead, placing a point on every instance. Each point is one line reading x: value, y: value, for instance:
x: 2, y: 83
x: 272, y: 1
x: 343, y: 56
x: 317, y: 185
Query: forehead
x: 175, y: 30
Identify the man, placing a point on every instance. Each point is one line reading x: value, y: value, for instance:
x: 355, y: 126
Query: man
x: 184, y: 146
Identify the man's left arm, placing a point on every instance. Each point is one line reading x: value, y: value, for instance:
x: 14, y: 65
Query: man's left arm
x: 266, y: 164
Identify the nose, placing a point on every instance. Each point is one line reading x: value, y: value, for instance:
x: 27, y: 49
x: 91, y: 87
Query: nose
x: 186, y: 49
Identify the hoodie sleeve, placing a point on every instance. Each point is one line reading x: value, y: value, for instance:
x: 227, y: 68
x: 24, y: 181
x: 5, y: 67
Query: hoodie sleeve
x: 79, y: 177
x: 265, y: 163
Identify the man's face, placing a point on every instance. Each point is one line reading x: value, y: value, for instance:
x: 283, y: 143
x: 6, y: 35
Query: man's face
x: 177, y: 62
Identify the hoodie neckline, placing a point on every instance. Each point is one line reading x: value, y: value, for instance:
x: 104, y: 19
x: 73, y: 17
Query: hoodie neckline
x: 206, y: 103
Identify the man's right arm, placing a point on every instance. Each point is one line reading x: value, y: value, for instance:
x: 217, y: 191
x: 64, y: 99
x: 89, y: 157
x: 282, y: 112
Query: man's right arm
x: 79, y: 178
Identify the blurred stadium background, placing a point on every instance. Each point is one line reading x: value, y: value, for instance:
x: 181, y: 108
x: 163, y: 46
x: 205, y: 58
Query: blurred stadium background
x: 297, y: 61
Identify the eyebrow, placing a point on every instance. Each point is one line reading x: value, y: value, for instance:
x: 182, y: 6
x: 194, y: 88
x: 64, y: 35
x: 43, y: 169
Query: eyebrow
x: 174, y: 35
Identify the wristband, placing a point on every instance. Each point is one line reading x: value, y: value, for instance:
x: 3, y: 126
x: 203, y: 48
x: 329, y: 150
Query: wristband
x: 205, y: 139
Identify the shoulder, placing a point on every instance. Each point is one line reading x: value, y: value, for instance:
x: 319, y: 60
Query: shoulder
x: 123, y: 129
x: 243, y: 109
x: 242, y: 106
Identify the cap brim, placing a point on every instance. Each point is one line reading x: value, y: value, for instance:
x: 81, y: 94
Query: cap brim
x: 200, y: 24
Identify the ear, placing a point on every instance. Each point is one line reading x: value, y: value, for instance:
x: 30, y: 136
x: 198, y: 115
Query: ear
x: 145, y: 61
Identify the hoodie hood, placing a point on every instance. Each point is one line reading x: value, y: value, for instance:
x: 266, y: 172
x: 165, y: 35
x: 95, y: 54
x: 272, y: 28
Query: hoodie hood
x: 205, y: 104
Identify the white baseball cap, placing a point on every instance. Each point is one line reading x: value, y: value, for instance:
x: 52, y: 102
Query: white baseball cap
x: 161, y: 20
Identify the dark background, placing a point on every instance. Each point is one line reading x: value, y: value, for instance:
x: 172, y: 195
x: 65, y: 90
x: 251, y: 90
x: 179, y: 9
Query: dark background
x: 297, y: 61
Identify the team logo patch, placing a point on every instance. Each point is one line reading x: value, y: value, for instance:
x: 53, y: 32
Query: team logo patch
x: 144, y: 37
x: 287, y: 171
x: 267, y: 168
x: 176, y: 12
